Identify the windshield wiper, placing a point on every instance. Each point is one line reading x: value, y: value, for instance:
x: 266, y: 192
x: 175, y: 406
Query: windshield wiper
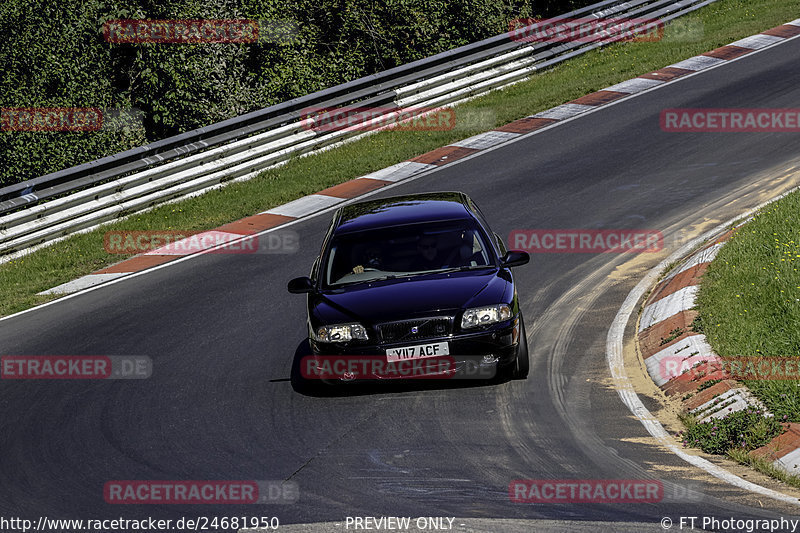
x: 463, y: 268
x: 388, y: 276
x: 412, y: 274
x: 360, y: 281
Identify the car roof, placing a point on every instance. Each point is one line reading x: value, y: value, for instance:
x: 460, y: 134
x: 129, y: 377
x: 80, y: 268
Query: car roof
x: 402, y: 210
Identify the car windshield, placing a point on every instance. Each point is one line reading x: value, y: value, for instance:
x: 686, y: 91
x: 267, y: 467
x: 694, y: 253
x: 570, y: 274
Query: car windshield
x: 414, y: 249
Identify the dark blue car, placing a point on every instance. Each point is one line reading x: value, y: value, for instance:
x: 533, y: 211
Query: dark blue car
x: 413, y: 280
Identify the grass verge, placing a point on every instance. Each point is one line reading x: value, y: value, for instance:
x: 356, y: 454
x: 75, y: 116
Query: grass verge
x: 713, y: 26
x: 749, y: 302
x: 764, y: 466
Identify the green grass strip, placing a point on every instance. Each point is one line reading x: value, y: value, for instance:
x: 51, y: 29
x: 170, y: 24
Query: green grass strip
x: 764, y: 466
x: 749, y: 299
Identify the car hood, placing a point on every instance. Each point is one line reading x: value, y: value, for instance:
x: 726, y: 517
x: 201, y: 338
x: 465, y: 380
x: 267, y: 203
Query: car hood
x: 412, y: 297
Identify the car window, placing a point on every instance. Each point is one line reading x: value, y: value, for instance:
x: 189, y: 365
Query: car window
x: 405, y: 250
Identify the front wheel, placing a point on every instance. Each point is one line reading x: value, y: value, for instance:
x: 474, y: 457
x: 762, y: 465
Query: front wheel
x: 522, y: 362
x: 517, y: 369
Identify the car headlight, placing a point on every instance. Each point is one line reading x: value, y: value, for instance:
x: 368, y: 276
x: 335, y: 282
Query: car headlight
x: 341, y: 333
x: 481, y: 316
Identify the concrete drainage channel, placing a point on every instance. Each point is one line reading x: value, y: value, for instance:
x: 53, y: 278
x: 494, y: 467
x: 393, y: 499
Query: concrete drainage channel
x: 669, y: 350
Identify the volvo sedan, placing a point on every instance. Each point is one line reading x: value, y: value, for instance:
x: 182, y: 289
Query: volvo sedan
x: 414, y: 286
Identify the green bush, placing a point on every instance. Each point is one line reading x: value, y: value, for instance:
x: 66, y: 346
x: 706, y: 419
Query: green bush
x: 746, y: 430
x: 54, y: 55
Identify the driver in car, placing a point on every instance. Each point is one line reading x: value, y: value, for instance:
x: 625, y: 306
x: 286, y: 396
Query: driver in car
x: 429, y: 257
x: 371, y: 260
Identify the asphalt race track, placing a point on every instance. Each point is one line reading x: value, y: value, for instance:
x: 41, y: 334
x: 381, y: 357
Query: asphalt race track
x: 222, y: 332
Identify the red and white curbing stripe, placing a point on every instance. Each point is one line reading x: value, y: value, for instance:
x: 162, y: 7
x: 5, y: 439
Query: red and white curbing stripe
x: 667, y: 341
x: 669, y: 346
x: 332, y: 196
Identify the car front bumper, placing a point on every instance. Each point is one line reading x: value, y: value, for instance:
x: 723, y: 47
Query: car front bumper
x: 472, y: 355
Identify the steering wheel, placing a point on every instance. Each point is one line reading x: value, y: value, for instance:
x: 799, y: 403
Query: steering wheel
x: 362, y: 269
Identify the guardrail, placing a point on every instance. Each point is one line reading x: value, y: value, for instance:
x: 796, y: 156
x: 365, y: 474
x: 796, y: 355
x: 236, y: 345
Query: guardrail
x: 56, y: 205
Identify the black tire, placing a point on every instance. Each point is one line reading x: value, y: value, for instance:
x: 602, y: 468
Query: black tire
x: 517, y: 369
x: 522, y: 362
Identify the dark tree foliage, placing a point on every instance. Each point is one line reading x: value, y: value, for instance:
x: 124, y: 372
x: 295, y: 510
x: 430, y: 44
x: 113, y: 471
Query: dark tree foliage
x: 53, y: 54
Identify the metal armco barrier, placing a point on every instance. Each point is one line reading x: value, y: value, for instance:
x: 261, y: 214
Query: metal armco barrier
x: 58, y: 204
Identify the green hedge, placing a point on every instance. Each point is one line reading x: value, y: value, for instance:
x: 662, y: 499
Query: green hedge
x: 54, y: 55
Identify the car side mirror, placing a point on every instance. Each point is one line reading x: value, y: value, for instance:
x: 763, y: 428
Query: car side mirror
x: 301, y: 285
x: 514, y: 258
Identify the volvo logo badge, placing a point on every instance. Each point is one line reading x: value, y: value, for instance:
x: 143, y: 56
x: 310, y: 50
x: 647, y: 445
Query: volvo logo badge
x: 415, y: 330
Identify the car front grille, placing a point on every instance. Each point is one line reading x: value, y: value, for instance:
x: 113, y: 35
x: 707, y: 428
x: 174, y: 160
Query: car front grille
x: 425, y: 328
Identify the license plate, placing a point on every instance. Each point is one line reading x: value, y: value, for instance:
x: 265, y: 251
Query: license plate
x: 418, y: 351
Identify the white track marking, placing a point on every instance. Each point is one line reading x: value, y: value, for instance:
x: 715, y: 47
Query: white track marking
x: 662, y: 309
x: 755, y: 42
x: 565, y: 111
x: 305, y: 206
x: 634, y: 85
x: 82, y: 283
x: 791, y: 462
x: 671, y: 361
x: 400, y: 171
x: 485, y: 140
x: 706, y: 256
x: 698, y: 63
